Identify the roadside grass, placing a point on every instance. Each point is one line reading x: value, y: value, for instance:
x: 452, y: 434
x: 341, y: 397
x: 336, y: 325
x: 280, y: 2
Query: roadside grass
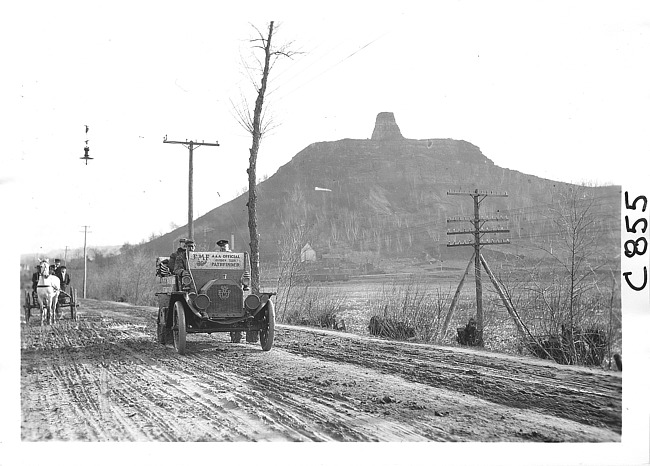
x: 315, y: 306
x: 423, y: 306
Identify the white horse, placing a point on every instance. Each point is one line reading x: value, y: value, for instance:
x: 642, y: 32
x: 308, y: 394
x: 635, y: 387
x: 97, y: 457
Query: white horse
x: 47, y: 291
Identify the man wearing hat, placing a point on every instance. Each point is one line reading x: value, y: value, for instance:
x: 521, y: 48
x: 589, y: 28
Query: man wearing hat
x: 64, y: 277
x: 180, y: 263
x: 57, y: 264
x: 172, y: 258
x: 35, y: 278
x: 223, y: 245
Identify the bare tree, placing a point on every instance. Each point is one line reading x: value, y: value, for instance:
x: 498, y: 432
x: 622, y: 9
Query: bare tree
x: 564, y: 284
x: 256, y: 124
x: 291, y: 270
x: 578, y: 232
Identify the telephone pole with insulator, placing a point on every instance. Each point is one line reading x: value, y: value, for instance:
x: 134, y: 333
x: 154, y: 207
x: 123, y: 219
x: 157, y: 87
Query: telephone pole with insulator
x: 85, y: 260
x: 477, y: 232
x: 191, y: 145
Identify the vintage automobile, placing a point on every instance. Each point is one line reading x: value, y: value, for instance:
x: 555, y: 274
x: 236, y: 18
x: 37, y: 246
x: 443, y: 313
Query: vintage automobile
x: 212, y: 296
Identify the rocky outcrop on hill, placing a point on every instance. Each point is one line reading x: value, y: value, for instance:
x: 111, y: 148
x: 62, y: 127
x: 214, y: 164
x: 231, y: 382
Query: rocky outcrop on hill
x: 386, y: 128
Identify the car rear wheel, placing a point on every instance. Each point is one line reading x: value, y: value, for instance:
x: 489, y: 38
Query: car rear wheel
x: 161, y: 326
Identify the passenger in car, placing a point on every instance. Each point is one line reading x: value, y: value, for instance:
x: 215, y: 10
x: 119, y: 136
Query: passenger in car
x: 223, y: 245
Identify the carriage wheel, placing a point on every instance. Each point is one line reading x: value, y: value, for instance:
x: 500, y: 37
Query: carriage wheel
x: 235, y: 337
x: 180, y: 332
x: 57, y: 308
x: 73, y: 303
x: 28, y: 306
x: 161, y: 326
x: 267, y: 333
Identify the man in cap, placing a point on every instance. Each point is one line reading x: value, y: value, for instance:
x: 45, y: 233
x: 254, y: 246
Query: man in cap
x: 57, y: 264
x: 180, y: 263
x: 223, y: 245
x: 172, y: 258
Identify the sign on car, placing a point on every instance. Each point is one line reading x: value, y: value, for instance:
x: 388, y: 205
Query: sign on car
x: 216, y: 260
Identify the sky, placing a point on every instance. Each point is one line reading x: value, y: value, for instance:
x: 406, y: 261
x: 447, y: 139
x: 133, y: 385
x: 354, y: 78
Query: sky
x: 554, y: 89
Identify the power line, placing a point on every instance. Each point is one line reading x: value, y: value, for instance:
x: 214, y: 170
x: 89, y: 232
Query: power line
x: 85, y: 260
x: 330, y: 67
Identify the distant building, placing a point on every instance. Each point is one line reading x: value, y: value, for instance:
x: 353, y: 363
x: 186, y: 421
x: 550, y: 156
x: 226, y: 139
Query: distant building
x: 307, y: 254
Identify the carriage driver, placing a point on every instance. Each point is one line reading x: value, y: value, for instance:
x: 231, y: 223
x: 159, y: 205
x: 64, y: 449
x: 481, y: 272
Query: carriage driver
x: 35, y: 279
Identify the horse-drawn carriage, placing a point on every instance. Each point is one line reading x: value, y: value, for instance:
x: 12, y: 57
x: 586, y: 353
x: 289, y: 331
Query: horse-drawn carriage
x: 212, y: 296
x: 66, y: 299
x: 53, y: 297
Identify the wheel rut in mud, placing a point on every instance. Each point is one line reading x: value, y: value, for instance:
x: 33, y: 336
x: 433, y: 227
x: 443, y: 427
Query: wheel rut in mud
x: 105, y: 378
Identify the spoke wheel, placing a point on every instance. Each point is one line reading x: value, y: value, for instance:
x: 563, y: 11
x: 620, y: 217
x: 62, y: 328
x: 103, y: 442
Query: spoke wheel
x: 28, y: 306
x: 180, y: 332
x: 73, y: 303
x: 267, y: 333
x: 161, y: 326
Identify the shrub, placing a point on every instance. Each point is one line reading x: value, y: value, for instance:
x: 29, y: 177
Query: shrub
x: 410, y: 307
x: 390, y: 328
x: 315, y: 307
x: 572, y: 346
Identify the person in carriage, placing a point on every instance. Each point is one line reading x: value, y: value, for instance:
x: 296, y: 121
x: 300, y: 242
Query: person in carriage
x: 35, y: 279
x: 64, y: 277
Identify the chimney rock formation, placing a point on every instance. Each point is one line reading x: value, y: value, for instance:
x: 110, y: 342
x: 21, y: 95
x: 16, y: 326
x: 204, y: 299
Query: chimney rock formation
x: 386, y: 128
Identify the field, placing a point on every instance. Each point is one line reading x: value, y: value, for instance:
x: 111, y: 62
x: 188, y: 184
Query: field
x: 358, y: 299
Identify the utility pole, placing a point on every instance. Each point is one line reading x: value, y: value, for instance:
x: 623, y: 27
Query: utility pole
x: 85, y: 260
x: 190, y: 145
x: 477, y: 231
x: 65, y: 257
x: 206, y: 244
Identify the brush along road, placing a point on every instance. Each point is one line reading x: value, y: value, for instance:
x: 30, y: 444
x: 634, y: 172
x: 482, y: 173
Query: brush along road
x: 105, y: 377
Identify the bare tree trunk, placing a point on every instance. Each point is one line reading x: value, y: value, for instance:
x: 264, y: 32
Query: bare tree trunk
x: 252, y: 170
x: 256, y: 125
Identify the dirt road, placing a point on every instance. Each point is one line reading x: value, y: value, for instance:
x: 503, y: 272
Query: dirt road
x: 106, y: 378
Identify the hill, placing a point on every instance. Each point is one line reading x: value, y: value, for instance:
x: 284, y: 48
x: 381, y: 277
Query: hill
x: 387, y: 197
